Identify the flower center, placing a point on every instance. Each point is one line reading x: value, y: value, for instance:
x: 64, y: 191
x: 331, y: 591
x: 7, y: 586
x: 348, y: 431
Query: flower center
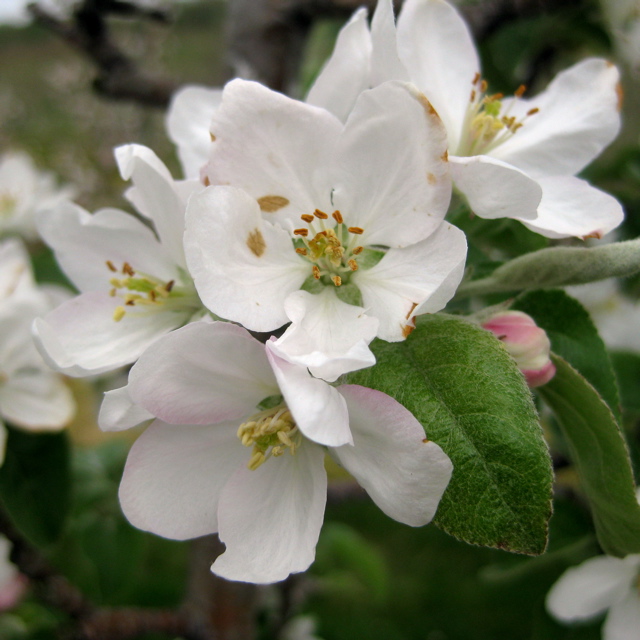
x: 486, y: 124
x: 8, y: 204
x: 270, y: 432
x: 147, y: 293
x: 331, y: 250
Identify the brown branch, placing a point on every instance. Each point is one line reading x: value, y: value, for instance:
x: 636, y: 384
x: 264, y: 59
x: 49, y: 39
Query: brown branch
x: 118, y: 75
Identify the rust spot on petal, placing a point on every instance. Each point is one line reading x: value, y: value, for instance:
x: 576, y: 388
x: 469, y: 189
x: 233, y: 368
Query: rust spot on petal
x: 445, y: 156
x: 213, y: 138
x: 407, y: 330
x: 269, y: 204
x: 256, y: 243
x: 415, y: 304
x: 620, y: 94
x: 426, y: 440
x: 206, y: 181
x: 426, y: 105
x: 598, y: 234
x: 431, y: 179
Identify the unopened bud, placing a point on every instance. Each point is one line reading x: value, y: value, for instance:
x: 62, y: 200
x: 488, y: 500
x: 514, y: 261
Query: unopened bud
x: 527, y: 344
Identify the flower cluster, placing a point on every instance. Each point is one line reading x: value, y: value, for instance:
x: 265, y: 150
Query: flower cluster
x: 305, y: 230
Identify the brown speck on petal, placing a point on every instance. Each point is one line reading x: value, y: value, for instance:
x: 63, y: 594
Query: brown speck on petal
x: 415, y: 304
x: 213, y: 138
x: 620, y: 94
x: 407, y: 330
x: 426, y: 440
x: 206, y: 181
x: 445, y: 156
x: 255, y: 242
x: 431, y: 179
x: 269, y: 204
x: 594, y: 234
x: 426, y: 105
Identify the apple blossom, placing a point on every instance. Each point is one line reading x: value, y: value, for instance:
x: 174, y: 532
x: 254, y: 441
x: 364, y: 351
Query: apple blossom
x: 604, y: 582
x: 352, y: 215
x: 510, y: 157
x: 134, y: 284
x: 12, y: 583
x: 24, y: 190
x: 237, y: 450
x: 526, y: 343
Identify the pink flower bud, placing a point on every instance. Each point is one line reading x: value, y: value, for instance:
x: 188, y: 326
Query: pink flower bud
x: 527, y: 344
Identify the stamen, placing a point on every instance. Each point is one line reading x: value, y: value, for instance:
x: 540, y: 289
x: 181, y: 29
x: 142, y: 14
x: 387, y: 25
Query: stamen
x: 128, y: 270
x: 476, y: 78
x: 520, y: 91
x: 337, y: 280
x: 357, y: 251
x: 111, y: 266
x: 169, y: 286
x: 307, y: 217
x: 320, y: 214
x: 337, y: 216
x: 118, y: 313
x: 356, y: 230
x: 301, y: 232
x: 112, y: 293
x: 353, y: 264
x: 533, y: 111
x: 316, y: 272
x: 302, y: 251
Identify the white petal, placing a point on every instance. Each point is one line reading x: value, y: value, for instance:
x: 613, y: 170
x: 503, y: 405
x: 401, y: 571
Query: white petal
x: 273, y: 146
x: 623, y: 619
x: 243, y: 267
x: 15, y: 269
x: 83, y: 243
x: 346, y: 74
x: 317, y: 408
x: 328, y: 336
x: 404, y: 474
x: 572, y: 207
x: 495, y: 189
x: 406, y: 279
x: 391, y: 174
x: 81, y: 338
x: 385, y: 64
x: 587, y: 590
x: 174, y: 475
x: 270, y: 518
x: 578, y: 117
x: 188, y: 120
x: 154, y: 196
x: 119, y: 412
x: 437, y: 48
x: 38, y: 401
x: 202, y: 374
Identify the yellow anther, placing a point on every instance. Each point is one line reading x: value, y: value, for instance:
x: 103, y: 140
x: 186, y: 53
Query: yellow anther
x: 357, y: 251
x: 128, y: 269
x: 337, y: 280
x: 533, y: 111
x: 301, y: 232
x: 316, y: 272
x: 302, y: 251
x: 356, y: 230
x: 112, y: 293
x: 320, y: 214
x: 337, y: 216
x: 118, y: 313
x: 353, y: 265
x: 307, y: 217
x: 111, y: 266
x: 520, y: 91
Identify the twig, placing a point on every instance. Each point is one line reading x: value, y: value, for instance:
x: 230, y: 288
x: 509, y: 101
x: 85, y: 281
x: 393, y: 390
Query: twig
x: 118, y: 76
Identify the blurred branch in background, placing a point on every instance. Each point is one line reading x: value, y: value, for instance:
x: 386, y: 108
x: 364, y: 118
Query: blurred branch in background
x: 266, y: 38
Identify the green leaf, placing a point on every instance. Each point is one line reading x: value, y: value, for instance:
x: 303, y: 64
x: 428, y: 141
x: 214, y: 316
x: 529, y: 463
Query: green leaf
x: 600, y: 454
x: 460, y: 383
x: 574, y: 337
x: 627, y: 368
x: 559, y: 266
x: 35, y: 484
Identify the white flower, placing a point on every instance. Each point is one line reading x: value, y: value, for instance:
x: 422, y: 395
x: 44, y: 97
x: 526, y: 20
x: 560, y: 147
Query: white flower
x: 236, y: 451
x: 600, y: 583
x: 32, y: 396
x: 134, y: 284
x: 352, y: 214
x: 511, y: 157
x: 616, y: 316
x: 25, y: 190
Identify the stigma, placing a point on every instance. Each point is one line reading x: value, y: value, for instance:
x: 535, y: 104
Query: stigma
x: 487, y: 123
x: 270, y: 433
